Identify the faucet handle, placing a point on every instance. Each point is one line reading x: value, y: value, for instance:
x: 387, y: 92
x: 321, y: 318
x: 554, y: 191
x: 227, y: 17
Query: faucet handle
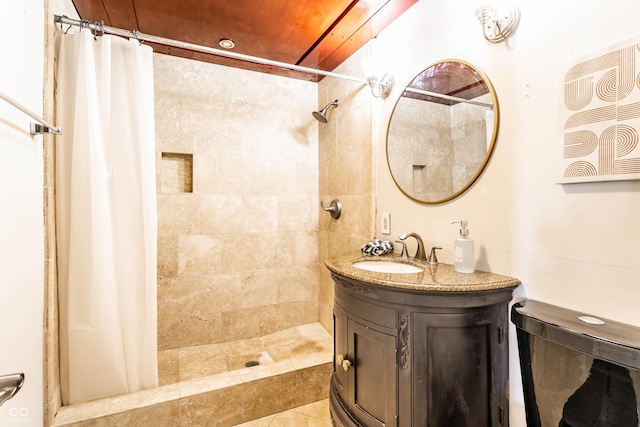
x: 433, y: 259
x: 404, y: 253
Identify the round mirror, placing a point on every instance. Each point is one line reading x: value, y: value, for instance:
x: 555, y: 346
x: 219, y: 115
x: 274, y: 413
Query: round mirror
x: 442, y: 131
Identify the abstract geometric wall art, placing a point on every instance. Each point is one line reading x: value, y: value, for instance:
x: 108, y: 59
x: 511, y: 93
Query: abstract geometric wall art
x: 600, y: 115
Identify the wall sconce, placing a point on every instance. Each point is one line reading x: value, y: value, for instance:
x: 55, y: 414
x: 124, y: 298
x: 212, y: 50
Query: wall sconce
x: 381, y: 86
x: 380, y: 83
x: 498, y: 22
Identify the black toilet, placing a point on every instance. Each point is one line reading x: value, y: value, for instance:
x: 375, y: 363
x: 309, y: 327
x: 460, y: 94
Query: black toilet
x: 577, y: 370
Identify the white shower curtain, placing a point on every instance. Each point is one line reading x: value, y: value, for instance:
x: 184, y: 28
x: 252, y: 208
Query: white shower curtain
x: 106, y: 216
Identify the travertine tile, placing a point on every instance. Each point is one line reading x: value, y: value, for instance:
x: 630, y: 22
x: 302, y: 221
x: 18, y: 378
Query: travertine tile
x: 274, y: 370
x: 218, y: 173
x: 199, y: 386
x: 201, y: 361
x: 261, y: 422
x: 260, y: 287
x: 200, y: 255
x: 163, y: 415
x: 178, y: 214
x: 237, y: 324
x: 255, y: 251
x: 245, y: 346
x: 289, y: 419
x: 319, y: 409
x: 216, y: 408
x: 294, y: 419
x: 298, y: 284
x: 82, y: 411
x: 239, y: 362
x: 270, y: 395
x: 306, y: 248
x: 143, y: 398
x: 168, y: 367
x: 296, y: 346
x: 188, y: 331
x: 167, y: 256
x: 312, y: 383
x: 297, y: 213
x: 282, y: 316
x: 311, y: 415
x: 203, y: 296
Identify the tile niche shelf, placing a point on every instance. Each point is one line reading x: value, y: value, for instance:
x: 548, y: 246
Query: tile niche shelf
x: 176, y: 173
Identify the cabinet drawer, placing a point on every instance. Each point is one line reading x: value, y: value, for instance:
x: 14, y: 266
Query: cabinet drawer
x: 367, y: 312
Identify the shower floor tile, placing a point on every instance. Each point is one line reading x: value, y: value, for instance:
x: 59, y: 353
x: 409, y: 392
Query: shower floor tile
x: 293, y: 344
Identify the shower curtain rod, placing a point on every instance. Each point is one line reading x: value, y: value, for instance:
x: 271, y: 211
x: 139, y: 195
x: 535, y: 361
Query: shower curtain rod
x: 98, y: 27
x: 35, y: 129
x: 448, y: 97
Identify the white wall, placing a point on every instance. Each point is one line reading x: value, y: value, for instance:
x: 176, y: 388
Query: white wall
x: 576, y: 246
x: 21, y: 210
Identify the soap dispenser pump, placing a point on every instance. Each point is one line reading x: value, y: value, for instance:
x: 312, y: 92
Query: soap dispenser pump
x: 464, y: 250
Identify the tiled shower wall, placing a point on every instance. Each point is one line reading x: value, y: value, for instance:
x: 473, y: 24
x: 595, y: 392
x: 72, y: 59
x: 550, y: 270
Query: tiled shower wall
x: 345, y: 168
x: 237, y: 157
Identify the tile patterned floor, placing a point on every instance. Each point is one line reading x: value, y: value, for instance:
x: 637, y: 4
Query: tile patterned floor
x: 312, y: 415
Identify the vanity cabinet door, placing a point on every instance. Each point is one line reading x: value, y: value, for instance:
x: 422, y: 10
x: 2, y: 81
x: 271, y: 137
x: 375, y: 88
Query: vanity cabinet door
x: 340, y: 352
x: 457, y: 372
x: 365, y: 370
x: 372, y: 379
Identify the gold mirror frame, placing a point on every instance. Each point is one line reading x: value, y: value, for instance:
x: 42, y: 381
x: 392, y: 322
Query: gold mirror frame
x: 475, y: 90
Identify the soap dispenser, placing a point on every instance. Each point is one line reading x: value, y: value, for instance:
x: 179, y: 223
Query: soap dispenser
x: 464, y: 250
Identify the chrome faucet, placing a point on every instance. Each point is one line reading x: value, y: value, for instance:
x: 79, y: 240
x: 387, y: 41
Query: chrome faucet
x: 420, y: 251
x: 9, y: 386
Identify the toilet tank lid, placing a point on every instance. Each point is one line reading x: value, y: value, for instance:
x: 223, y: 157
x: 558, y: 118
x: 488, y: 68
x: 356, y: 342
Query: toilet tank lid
x: 598, y: 337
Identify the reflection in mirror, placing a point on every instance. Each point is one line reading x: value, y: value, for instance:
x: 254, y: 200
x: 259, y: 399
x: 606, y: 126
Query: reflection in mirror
x: 442, y: 131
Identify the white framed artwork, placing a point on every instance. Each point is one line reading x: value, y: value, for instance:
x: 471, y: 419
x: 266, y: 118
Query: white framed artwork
x: 600, y: 115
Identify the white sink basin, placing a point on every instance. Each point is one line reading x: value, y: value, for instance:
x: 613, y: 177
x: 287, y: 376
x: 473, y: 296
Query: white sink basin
x: 387, y: 267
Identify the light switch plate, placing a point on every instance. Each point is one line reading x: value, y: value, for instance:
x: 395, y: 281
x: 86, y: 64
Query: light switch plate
x: 386, y: 223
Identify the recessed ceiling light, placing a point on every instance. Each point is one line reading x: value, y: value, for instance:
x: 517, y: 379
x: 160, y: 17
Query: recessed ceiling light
x: 227, y: 43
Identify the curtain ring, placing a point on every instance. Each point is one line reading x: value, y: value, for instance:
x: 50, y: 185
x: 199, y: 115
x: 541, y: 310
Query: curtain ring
x: 68, y: 28
x: 136, y: 36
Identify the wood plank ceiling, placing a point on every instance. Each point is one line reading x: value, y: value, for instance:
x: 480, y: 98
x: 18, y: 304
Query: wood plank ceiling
x: 310, y: 33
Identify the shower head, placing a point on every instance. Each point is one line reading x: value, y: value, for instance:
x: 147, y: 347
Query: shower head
x: 321, y: 115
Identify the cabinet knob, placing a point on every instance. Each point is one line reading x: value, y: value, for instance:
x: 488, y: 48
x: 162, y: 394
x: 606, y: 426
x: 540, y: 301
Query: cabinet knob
x: 343, y: 360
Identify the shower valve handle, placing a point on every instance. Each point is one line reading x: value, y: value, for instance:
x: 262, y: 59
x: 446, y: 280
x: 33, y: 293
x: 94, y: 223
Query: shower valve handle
x: 335, y: 208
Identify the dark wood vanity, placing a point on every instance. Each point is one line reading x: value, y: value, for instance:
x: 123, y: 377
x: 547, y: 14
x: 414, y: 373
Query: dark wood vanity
x: 420, y: 349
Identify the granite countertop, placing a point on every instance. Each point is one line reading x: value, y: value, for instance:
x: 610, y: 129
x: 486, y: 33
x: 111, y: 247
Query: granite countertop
x: 438, y: 278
